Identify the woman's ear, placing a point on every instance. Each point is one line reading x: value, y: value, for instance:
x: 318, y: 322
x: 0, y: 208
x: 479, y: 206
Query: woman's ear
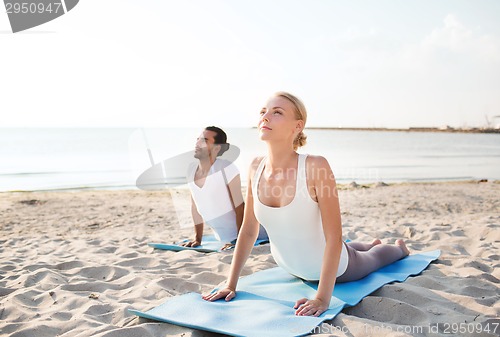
x: 299, y: 126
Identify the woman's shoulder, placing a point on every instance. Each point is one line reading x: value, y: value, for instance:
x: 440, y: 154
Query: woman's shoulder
x: 256, y: 162
x: 318, y: 168
x: 254, y: 165
x: 313, y: 161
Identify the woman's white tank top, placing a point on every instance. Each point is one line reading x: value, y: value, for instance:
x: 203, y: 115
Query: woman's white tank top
x: 295, y: 231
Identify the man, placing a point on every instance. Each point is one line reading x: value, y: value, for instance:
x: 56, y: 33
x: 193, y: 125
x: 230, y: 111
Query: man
x: 215, y: 186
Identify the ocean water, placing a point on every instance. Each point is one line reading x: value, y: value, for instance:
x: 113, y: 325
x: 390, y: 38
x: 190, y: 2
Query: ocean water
x: 113, y: 158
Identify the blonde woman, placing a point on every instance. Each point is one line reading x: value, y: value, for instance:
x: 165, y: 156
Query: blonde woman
x: 294, y: 197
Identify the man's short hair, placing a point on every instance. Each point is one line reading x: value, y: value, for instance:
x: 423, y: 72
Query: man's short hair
x: 219, y: 139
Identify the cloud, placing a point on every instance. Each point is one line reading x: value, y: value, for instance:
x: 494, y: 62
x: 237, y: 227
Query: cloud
x: 454, y: 42
x: 448, y: 76
x: 152, y: 66
x: 458, y: 38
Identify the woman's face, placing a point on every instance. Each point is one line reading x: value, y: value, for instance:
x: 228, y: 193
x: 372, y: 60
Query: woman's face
x: 277, y: 120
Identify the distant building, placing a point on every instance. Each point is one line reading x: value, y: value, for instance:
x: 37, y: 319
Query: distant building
x: 419, y: 128
x: 446, y: 128
x: 497, y: 126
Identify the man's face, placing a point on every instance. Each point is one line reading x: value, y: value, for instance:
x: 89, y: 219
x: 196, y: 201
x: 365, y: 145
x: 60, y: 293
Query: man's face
x: 205, y: 145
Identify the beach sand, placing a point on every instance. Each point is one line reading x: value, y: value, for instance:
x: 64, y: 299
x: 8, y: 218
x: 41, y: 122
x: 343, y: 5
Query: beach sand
x: 72, y: 263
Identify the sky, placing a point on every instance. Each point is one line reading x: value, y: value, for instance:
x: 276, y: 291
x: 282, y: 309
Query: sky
x: 166, y: 63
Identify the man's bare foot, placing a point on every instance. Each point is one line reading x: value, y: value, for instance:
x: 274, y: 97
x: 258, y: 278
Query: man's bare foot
x: 227, y: 246
x: 401, y: 244
x: 376, y: 242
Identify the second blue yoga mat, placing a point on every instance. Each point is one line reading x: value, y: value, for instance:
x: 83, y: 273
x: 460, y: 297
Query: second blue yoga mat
x: 208, y: 245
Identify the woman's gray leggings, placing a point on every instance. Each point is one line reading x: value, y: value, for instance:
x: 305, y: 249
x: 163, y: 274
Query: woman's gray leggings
x: 365, y: 259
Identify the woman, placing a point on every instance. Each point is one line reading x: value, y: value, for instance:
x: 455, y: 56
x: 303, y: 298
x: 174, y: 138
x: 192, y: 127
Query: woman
x: 295, y: 198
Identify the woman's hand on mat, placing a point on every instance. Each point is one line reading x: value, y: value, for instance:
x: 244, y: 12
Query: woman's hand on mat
x: 227, y: 293
x: 194, y: 243
x: 307, y: 307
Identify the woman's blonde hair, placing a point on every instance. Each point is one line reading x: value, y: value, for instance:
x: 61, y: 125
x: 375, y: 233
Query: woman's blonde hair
x: 300, y: 114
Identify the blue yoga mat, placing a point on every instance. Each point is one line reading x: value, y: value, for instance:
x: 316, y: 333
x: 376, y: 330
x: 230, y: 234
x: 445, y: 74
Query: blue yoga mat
x: 264, y: 302
x: 209, y: 244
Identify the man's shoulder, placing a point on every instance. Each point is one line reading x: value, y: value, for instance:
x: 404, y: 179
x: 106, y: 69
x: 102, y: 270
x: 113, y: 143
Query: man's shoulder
x: 220, y: 164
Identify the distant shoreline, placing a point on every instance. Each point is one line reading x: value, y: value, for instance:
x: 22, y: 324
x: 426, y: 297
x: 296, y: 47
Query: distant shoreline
x: 413, y: 129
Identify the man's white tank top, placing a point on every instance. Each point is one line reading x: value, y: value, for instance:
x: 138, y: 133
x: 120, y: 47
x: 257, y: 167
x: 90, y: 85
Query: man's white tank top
x: 213, y: 201
x: 295, y: 230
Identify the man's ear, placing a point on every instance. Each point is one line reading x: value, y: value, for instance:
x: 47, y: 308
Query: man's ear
x: 222, y: 148
x: 216, y: 149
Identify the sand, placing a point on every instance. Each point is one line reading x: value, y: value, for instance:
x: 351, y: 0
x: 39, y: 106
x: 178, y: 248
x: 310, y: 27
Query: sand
x: 72, y: 263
